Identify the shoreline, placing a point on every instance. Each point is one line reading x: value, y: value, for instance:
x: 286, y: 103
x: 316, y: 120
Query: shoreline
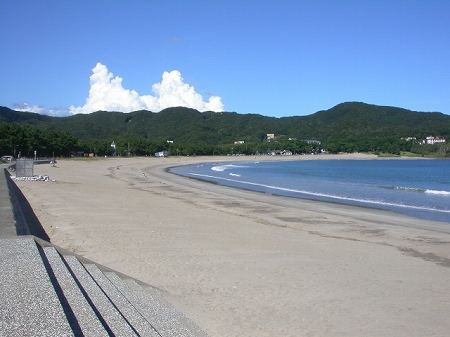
x: 413, y: 211
x: 242, y: 263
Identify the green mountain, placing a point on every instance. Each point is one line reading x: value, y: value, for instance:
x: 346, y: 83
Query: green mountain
x: 184, y: 125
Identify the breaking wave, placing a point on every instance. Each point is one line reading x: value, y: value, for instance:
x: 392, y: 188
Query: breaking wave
x: 416, y: 190
x: 325, y: 195
x: 221, y: 168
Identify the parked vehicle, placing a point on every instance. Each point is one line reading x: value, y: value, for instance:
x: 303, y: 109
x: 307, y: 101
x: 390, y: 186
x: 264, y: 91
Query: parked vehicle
x: 7, y: 159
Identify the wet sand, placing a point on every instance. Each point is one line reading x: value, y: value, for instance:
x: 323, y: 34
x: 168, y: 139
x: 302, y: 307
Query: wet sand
x: 242, y: 263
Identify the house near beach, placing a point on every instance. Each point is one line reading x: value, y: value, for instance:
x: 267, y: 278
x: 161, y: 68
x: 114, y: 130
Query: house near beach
x: 280, y: 153
x: 433, y: 140
x: 162, y: 154
x: 410, y: 139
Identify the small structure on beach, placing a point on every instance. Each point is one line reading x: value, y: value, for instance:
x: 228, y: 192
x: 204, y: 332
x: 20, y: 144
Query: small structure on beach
x: 24, y: 167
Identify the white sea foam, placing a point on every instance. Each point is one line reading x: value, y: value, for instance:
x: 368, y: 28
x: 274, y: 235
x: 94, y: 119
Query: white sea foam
x: 221, y: 168
x: 416, y: 190
x: 329, y: 196
x: 443, y: 193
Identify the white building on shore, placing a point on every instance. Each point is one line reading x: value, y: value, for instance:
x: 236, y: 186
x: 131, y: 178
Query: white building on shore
x: 433, y: 140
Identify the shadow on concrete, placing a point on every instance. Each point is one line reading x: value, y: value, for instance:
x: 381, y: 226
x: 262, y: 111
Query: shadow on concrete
x: 27, y: 222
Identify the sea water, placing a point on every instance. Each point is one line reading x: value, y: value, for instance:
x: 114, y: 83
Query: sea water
x: 420, y: 188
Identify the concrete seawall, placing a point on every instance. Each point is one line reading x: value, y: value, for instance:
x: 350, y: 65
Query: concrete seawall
x: 7, y: 222
x: 24, y: 220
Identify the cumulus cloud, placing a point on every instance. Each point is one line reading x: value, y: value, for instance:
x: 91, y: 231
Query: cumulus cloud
x: 39, y: 109
x: 107, y: 93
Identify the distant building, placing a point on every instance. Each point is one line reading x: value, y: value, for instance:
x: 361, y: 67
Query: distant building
x: 162, y: 154
x: 279, y: 153
x: 239, y: 142
x: 270, y: 136
x: 433, y: 140
x: 312, y: 141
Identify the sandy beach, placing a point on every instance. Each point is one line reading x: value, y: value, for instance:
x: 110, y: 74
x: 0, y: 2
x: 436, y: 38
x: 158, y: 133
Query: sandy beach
x: 242, y: 263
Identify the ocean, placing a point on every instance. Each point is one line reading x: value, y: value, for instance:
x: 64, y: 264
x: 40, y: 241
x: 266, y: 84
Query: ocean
x: 419, y: 188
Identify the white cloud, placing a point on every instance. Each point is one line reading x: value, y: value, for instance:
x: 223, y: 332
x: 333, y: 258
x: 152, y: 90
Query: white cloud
x: 39, y: 109
x: 107, y: 93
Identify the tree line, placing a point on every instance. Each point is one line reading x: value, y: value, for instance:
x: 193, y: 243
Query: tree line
x: 24, y: 139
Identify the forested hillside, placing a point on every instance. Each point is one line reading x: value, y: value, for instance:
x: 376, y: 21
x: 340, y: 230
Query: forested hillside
x: 188, y: 125
x: 348, y: 126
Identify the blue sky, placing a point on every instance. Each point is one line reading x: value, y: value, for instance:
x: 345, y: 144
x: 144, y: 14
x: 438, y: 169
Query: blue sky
x: 274, y: 58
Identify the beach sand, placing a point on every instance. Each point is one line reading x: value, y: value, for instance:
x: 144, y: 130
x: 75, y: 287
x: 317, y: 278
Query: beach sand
x: 242, y: 263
